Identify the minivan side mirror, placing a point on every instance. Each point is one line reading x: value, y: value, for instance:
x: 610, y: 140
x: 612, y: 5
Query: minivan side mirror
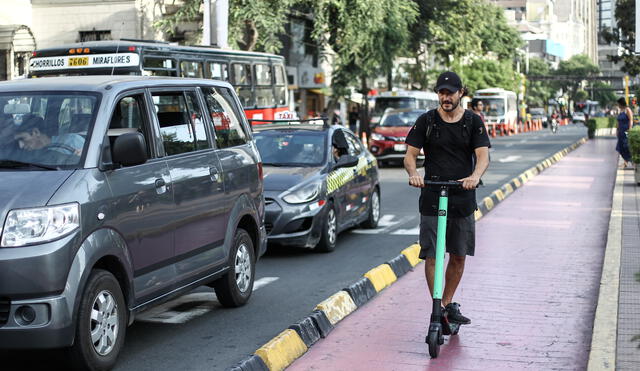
x: 346, y: 161
x: 129, y: 149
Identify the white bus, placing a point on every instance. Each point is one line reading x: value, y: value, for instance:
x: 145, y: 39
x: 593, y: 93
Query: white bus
x: 500, y: 109
x: 414, y: 99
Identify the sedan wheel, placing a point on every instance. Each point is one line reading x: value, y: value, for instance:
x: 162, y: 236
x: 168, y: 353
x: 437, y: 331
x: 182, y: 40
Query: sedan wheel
x: 329, y: 231
x: 374, y: 211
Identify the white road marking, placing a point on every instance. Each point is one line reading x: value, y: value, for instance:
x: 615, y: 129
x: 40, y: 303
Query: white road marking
x: 510, y: 158
x: 167, y: 313
x: 407, y: 232
x: 386, y: 223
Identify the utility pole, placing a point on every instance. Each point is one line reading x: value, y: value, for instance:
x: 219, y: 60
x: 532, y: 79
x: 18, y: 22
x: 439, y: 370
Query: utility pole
x: 206, y: 23
x: 216, y: 29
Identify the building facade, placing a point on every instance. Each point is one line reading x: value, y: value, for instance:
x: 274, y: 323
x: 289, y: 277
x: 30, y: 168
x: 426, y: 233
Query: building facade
x: 607, y: 20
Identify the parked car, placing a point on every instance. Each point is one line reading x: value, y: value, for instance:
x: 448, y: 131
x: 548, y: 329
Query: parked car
x: 578, y: 117
x: 388, y: 138
x: 319, y: 180
x: 115, y: 197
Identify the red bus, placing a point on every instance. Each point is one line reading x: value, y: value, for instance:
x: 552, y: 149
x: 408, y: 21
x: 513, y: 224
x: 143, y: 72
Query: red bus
x: 259, y: 78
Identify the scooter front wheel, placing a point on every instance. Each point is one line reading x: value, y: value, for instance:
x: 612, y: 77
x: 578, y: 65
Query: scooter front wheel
x: 433, y: 340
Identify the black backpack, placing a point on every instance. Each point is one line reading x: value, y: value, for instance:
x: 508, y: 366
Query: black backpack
x: 467, y: 125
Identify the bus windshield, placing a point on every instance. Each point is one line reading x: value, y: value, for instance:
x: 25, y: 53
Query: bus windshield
x: 382, y: 103
x: 493, y: 106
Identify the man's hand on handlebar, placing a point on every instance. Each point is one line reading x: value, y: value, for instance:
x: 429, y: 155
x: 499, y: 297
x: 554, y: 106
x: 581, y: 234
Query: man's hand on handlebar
x: 469, y: 182
x: 416, y: 181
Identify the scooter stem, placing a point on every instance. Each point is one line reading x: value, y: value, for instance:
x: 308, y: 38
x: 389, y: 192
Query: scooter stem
x: 440, y: 244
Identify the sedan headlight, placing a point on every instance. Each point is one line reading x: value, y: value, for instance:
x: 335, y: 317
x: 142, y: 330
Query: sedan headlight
x: 31, y: 226
x: 302, y: 194
x: 376, y: 136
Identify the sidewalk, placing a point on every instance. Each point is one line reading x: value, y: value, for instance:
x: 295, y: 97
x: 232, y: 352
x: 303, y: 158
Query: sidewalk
x: 627, y: 352
x: 531, y: 290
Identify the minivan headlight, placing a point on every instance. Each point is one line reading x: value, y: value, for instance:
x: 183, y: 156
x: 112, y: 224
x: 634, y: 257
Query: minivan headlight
x: 306, y: 193
x: 37, y: 225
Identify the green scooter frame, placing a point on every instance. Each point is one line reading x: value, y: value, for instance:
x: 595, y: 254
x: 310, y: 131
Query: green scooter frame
x: 439, y: 324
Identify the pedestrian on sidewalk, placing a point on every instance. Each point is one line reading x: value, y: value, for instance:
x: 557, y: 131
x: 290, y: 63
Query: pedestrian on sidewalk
x: 456, y: 147
x: 625, y: 122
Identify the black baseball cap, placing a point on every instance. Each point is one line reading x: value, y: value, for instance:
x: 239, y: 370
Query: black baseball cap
x: 450, y: 81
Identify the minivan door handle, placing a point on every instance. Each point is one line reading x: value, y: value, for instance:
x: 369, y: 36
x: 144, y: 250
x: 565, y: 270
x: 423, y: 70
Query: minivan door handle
x: 215, y: 176
x: 161, y: 186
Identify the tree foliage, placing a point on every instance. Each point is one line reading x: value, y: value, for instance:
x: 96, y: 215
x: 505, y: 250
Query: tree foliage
x: 625, y: 36
x: 489, y: 73
x: 363, y: 37
x: 606, y: 97
x: 578, y: 65
x: 457, y: 32
x: 539, y: 92
x: 254, y: 25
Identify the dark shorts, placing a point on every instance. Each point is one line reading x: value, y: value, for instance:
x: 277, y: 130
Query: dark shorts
x: 461, y: 236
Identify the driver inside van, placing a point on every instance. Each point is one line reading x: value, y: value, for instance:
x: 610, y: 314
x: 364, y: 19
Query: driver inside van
x: 31, y: 136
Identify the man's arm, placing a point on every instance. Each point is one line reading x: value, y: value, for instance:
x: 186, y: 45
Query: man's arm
x: 482, y: 163
x: 410, y: 161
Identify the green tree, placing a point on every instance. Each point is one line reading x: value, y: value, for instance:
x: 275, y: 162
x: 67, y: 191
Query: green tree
x: 579, y: 65
x: 254, y: 25
x: 625, y: 36
x: 363, y: 39
x: 489, y: 73
x: 457, y: 32
x: 603, y: 93
x: 538, y: 93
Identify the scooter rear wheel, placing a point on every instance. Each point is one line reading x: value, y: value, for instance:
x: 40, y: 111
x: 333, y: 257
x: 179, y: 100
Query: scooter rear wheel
x: 433, y: 340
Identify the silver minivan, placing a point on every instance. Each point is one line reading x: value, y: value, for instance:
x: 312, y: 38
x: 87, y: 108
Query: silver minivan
x: 117, y: 193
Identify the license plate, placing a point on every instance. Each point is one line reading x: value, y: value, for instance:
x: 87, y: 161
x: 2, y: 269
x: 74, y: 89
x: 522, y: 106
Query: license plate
x: 78, y: 61
x: 400, y: 147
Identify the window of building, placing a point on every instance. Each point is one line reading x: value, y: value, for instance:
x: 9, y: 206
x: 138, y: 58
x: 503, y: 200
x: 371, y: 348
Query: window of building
x: 95, y: 35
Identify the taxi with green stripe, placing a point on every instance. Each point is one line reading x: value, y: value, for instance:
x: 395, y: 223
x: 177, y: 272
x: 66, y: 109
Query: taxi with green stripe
x: 319, y: 180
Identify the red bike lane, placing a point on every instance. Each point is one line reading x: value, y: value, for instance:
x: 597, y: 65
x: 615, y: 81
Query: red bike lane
x: 530, y: 291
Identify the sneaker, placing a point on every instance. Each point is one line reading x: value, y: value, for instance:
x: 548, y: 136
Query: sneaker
x: 454, y: 315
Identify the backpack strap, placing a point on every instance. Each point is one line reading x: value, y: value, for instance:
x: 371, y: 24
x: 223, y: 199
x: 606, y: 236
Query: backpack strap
x: 431, y: 123
x: 467, y: 125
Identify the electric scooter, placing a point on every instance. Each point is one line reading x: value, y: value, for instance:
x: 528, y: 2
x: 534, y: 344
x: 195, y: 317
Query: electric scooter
x: 439, y: 324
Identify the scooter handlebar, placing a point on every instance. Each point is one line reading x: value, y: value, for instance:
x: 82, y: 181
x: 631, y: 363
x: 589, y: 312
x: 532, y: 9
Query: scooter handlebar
x: 448, y: 183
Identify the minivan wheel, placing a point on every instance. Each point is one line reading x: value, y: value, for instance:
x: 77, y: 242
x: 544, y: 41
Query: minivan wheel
x: 329, y: 235
x: 235, y: 287
x: 101, y: 323
x: 374, y: 210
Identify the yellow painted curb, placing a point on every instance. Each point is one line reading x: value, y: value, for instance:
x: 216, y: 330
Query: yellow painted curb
x: 488, y: 202
x: 516, y: 181
x: 499, y: 194
x: 282, y: 350
x: 411, y: 253
x: 509, y: 188
x: 381, y: 276
x: 337, y: 306
x: 477, y: 214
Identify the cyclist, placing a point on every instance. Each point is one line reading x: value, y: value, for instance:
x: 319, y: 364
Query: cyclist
x: 457, y: 148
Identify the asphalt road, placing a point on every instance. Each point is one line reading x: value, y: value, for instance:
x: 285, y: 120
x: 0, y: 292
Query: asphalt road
x: 198, y: 334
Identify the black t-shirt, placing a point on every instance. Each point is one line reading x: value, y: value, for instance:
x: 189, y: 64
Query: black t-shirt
x: 448, y: 155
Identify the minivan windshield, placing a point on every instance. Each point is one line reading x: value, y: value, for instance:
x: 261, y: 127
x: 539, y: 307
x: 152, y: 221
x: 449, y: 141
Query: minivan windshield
x: 291, y: 147
x: 45, y: 130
